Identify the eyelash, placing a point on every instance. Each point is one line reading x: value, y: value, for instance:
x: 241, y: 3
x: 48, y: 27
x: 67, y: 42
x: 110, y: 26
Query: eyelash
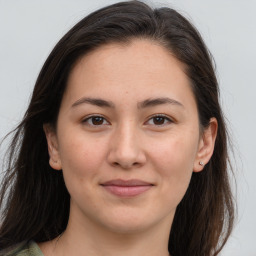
x: 86, y: 120
x: 89, y: 120
x: 167, y: 120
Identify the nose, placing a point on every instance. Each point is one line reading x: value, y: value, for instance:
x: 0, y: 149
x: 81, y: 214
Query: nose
x: 126, y: 150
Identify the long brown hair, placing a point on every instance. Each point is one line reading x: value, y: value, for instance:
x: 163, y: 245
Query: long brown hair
x: 34, y: 199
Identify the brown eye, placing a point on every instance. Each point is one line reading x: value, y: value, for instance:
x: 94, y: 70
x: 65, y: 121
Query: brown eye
x: 159, y: 120
x: 95, y: 121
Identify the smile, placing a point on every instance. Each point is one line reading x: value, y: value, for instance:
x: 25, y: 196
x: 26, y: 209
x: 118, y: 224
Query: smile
x: 126, y: 188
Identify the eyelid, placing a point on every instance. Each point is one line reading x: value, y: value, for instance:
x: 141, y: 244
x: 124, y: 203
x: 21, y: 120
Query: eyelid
x: 168, y: 118
x: 85, y: 120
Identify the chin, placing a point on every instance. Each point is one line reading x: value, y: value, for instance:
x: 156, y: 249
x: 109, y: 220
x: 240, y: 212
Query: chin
x: 128, y: 228
x: 130, y: 223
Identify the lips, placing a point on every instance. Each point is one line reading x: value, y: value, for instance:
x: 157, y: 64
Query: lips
x: 126, y: 188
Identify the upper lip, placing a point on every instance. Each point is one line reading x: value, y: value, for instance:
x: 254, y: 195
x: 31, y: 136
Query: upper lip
x: 126, y: 183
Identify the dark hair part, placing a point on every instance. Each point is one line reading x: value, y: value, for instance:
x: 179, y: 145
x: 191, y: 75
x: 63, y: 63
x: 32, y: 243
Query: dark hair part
x: 36, y: 205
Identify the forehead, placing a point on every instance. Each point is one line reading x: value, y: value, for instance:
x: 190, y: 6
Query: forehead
x: 139, y: 68
x: 147, y: 55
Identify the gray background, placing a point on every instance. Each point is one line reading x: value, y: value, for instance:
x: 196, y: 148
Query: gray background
x: 30, y: 28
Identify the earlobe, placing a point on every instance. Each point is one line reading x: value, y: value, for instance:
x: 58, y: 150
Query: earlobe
x: 54, y: 159
x: 206, y: 145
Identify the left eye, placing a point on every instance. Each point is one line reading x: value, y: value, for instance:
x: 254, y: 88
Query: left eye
x: 95, y: 121
x: 159, y: 120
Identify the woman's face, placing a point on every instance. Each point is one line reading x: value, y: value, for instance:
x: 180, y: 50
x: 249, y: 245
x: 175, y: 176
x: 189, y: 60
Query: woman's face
x: 127, y: 137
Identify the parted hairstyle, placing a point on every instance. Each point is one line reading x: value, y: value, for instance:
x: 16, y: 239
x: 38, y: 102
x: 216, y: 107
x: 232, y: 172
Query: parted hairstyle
x: 34, y: 200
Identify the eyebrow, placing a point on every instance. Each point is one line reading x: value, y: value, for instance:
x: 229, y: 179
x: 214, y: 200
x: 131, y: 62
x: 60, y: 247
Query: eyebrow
x: 158, y: 101
x: 143, y: 104
x: 94, y: 101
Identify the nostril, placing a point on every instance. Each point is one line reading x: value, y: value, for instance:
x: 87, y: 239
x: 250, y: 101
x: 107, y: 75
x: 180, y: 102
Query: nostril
x: 126, y: 160
x: 126, y: 165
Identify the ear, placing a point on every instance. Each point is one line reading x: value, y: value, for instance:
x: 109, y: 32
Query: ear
x: 206, y: 145
x: 52, y: 142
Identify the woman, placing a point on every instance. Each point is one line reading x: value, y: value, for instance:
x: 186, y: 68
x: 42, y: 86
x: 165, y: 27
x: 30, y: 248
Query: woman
x: 123, y: 148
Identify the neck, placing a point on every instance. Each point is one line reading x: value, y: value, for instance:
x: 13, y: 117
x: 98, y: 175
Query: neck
x: 86, y: 238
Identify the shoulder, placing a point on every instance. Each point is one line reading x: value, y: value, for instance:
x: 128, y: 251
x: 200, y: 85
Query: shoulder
x: 29, y: 248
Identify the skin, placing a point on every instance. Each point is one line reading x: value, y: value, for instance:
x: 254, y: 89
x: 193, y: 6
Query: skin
x: 127, y: 141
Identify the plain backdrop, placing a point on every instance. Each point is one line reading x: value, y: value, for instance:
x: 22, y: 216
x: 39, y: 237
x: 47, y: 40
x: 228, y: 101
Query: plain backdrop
x: 30, y: 28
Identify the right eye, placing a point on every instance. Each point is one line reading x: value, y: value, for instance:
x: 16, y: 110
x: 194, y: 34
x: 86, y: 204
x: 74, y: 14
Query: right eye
x: 95, y: 121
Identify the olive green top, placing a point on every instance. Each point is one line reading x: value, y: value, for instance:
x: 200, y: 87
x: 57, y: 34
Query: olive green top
x: 23, y: 249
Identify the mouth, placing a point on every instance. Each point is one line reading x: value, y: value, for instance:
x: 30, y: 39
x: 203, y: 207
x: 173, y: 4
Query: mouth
x: 127, y: 188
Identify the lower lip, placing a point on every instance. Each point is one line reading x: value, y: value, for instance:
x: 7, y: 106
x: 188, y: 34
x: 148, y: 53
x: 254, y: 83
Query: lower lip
x: 126, y: 191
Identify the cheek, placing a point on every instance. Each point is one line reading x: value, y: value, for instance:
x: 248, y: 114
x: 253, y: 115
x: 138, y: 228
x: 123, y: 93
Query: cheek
x: 80, y: 161
x: 80, y: 165
x: 79, y: 151
x: 174, y: 161
x: 175, y: 154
